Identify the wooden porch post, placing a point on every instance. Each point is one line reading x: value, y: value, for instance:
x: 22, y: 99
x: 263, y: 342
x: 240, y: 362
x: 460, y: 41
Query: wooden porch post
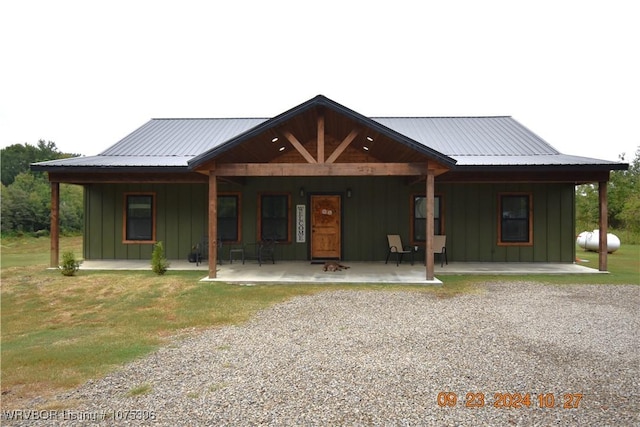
x: 213, y: 223
x: 55, y: 225
x: 604, y: 224
x: 430, y: 194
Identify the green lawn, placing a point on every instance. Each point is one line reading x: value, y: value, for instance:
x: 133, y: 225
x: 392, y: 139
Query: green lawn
x: 59, y: 331
x: 623, y: 266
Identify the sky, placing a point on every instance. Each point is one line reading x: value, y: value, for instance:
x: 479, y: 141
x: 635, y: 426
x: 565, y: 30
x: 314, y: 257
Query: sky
x: 84, y: 74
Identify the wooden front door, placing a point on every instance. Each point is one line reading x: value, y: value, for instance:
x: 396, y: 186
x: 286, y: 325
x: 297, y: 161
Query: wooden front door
x: 325, y: 226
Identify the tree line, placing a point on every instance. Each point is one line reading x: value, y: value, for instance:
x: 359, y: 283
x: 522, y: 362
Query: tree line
x: 623, y: 204
x: 26, y: 195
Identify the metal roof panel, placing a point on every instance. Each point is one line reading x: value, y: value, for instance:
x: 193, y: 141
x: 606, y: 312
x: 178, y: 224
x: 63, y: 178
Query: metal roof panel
x: 102, y: 161
x: 531, y: 160
x: 180, y: 137
x: 486, y: 136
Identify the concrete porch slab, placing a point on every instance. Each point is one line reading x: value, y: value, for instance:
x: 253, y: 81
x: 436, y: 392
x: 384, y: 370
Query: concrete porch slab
x: 305, y: 272
x: 359, y: 272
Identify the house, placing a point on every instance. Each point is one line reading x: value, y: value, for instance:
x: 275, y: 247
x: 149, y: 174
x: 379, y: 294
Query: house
x: 327, y: 182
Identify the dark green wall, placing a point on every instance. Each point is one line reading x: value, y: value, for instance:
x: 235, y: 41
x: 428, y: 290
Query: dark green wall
x: 181, y: 219
x: 378, y: 206
x: 471, y: 223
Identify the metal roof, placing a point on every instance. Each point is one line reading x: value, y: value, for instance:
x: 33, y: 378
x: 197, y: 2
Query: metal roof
x: 532, y: 160
x: 180, y: 137
x: 102, y: 161
x: 470, y: 136
x: 471, y: 141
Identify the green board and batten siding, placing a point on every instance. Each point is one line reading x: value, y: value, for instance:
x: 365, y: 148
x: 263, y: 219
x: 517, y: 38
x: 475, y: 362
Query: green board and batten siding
x: 378, y: 206
x: 471, y: 221
x: 181, y: 219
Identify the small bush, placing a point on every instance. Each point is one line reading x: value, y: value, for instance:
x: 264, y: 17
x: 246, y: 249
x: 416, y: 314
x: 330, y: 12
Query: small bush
x: 159, y: 263
x: 69, y: 264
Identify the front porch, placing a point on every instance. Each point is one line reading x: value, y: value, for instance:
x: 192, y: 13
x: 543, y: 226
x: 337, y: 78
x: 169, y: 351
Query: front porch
x: 359, y: 272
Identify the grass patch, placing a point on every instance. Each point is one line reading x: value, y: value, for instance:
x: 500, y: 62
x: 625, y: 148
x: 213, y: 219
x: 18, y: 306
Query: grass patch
x: 623, y: 269
x: 58, y: 332
x: 216, y: 387
x: 623, y: 266
x: 29, y: 251
x: 140, y: 390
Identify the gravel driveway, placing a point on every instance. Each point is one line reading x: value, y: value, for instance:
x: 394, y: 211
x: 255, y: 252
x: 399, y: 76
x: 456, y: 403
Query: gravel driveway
x: 394, y: 358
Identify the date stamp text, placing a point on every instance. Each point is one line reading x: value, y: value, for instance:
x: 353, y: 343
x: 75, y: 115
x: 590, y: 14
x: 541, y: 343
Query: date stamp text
x: 510, y: 400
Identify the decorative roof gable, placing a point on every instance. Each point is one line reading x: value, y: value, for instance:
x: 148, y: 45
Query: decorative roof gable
x: 307, y: 126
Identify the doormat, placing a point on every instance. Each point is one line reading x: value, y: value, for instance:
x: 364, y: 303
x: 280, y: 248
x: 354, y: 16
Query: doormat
x: 322, y: 261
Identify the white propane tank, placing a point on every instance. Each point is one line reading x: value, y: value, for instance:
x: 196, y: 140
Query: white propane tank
x: 590, y: 241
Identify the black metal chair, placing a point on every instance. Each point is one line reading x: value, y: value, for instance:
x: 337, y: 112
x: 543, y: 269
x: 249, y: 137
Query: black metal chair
x: 266, y: 250
x: 202, y: 250
x: 236, y: 250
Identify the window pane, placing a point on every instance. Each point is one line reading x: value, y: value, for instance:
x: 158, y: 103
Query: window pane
x: 420, y: 204
x: 515, y: 230
x: 274, y: 217
x: 420, y: 214
x: 515, y: 207
x: 139, y: 217
x: 227, y: 206
x: 228, y: 218
x: 274, y: 229
x: 274, y: 206
x: 515, y: 219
